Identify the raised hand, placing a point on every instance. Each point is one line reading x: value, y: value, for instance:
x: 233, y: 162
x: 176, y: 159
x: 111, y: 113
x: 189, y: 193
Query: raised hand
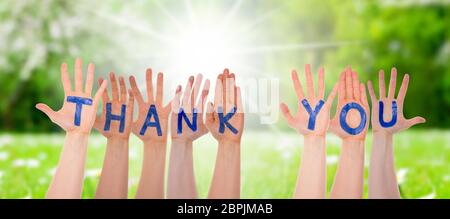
x: 115, y: 125
x: 117, y: 113
x: 387, y: 112
x: 76, y: 117
x: 225, y: 118
x: 187, y: 122
x: 151, y: 124
x: 313, y: 115
x: 79, y: 109
x: 350, y: 124
x: 151, y: 128
x: 352, y: 114
x: 387, y: 119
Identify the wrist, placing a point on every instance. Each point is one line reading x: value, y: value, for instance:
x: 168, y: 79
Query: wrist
x: 182, y: 141
x: 229, y: 143
x: 117, y: 141
x: 382, y: 134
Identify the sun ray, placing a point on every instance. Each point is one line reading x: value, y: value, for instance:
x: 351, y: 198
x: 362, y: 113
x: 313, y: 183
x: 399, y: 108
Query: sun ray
x: 300, y: 46
x: 230, y: 15
x: 190, y: 12
x: 142, y: 29
x: 171, y: 18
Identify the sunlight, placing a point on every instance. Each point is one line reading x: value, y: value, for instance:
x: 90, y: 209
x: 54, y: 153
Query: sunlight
x: 202, y: 51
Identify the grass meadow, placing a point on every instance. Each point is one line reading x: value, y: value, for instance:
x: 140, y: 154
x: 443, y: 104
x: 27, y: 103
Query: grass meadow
x: 269, y: 163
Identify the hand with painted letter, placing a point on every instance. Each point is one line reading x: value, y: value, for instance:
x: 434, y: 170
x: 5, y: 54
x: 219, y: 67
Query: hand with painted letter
x: 187, y: 125
x: 313, y: 115
x: 153, y: 116
x: 79, y: 109
x: 151, y: 127
x: 225, y: 120
x: 225, y: 117
x: 350, y: 123
x: 115, y: 125
x: 352, y: 114
x: 312, y: 121
x: 76, y: 117
x: 387, y: 112
x: 117, y: 113
x: 387, y: 119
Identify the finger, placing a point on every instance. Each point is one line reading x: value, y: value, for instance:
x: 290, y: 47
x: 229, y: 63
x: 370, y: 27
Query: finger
x: 159, y: 89
x: 149, y: 81
x: 286, y: 113
x: 187, y: 92
x: 65, y: 79
x: 321, y: 84
x: 46, y: 109
x: 381, y: 84
x: 105, y: 96
x: 99, y: 93
x: 89, y: 79
x: 114, y: 87
x: 373, y: 98
x: 362, y: 90
x: 341, y: 90
x: 356, y: 88
x: 332, y: 95
x: 309, y: 82
x: 136, y: 93
x: 415, y: 121
x: 297, y: 85
x: 123, y: 90
x: 176, y: 100
x: 224, y: 78
x: 204, y: 97
x: 403, y: 89
x: 218, y: 92
x: 392, y: 84
x: 78, y: 76
x: 130, y: 107
x: 209, y: 114
x: 348, y: 84
x: 230, y: 101
x: 196, y: 89
x: 239, y: 106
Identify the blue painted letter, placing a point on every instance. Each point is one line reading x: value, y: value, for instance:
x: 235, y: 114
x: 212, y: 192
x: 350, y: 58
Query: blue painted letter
x: 223, y: 120
x: 182, y: 115
x: 79, y: 101
x: 343, y: 116
x: 394, y: 115
x: 151, y: 112
x: 110, y: 116
x: 312, y: 114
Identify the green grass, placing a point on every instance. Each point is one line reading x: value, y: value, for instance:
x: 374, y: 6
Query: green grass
x: 269, y: 163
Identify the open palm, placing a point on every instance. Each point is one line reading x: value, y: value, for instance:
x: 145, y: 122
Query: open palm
x: 188, y: 103
x: 390, y: 103
x: 118, y: 100
x: 351, y: 91
x: 301, y: 120
x: 65, y: 116
x: 227, y: 99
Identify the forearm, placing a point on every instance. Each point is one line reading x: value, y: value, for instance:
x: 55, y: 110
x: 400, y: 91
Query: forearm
x: 226, y: 179
x: 68, y: 179
x: 114, y: 178
x: 311, y: 182
x: 382, y: 177
x: 181, y: 180
x: 151, y: 184
x: 349, y: 179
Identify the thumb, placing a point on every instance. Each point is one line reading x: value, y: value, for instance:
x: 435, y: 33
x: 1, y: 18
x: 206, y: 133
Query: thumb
x: 414, y: 121
x: 286, y: 113
x: 45, y: 109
